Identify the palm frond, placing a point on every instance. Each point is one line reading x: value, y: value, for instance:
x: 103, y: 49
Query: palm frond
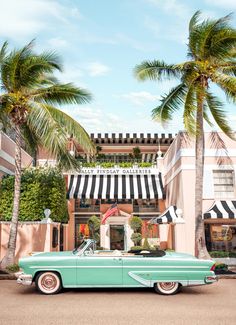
x: 222, y: 43
x: 62, y: 94
x: 227, y: 84
x: 215, y: 106
x: 156, y: 70
x: 170, y: 103
x: 50, y: 134
x: 35, y: 66
x: 194, y: 21
x: 11, y: 65
x: 3, y: 51
x: 73, y: 128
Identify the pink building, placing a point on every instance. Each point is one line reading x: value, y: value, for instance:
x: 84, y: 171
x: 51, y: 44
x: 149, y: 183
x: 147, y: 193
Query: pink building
x: 219, y: 194
x: 7, y: 156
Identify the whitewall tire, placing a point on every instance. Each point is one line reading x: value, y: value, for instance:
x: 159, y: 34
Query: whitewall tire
x: 166, y: 288
x: 48, y: 283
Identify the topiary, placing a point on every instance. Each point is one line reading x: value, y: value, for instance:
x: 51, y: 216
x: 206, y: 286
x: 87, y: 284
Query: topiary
x: 136, y: 237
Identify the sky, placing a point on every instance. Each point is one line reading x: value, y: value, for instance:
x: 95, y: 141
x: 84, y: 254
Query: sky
x: 101, y: 41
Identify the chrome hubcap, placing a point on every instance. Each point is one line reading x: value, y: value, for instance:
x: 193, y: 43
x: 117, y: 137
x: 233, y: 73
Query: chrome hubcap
x: 167, y: 286
x: 49, y: 282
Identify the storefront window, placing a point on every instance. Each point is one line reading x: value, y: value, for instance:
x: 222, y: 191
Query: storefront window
x: 221, y: 237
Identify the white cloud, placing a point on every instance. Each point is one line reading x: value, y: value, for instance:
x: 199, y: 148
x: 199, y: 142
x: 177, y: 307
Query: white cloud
x: 57, y: 42
x: 25, y: 18
x: 97, y: 69
x: 139, y: 98
x: 172, y: 7
x: 226, y: 4
x: 94, y: 119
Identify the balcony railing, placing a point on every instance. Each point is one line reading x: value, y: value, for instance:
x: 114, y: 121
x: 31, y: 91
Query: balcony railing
x: 145, y: 208
x: 110, y: 163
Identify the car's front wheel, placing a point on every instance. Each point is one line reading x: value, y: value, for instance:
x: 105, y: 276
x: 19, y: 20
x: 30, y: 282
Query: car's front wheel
x: 166, y: 288
x: 48, y: 283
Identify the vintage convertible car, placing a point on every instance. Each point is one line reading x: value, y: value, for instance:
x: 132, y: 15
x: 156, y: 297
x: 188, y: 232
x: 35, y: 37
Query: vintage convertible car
x: 84, y: 267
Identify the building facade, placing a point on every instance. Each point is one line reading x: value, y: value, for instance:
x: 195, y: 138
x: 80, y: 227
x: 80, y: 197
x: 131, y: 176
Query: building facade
x: 219, y: 190
x: 7, y: 156
x: 124, y: 172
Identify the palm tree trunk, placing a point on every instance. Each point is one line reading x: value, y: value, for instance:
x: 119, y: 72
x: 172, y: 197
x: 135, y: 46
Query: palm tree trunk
x: 10, y: 255
x: 200, y: 242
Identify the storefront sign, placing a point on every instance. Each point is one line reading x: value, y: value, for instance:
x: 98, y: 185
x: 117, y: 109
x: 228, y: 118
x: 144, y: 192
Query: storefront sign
x: 118, y: 171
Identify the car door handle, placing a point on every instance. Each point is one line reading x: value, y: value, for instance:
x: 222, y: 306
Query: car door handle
x: 116, y: 258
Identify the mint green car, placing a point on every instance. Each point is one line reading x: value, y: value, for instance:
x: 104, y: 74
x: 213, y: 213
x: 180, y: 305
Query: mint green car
x: 86, y: 267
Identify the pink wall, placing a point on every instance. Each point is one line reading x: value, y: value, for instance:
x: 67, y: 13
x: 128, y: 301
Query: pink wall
x: 31, y: 237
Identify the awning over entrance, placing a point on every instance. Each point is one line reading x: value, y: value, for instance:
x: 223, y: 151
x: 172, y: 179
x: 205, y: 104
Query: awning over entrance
x: 169, y: 216
x: 115, y: 187
x: 221, y: 210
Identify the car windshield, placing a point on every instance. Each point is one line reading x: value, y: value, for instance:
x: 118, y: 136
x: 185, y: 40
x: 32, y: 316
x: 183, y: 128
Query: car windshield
x: 78, y: 249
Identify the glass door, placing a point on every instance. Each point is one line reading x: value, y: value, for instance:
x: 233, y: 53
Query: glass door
x: 117, y: 237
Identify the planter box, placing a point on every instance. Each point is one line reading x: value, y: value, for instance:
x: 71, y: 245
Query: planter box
x: 231, y: 261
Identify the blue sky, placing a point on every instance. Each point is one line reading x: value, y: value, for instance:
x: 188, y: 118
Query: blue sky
x: 100, y: 42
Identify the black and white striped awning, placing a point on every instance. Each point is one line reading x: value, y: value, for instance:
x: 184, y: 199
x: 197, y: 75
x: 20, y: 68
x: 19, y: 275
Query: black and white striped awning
x: 221, y: 210
x: 115, y: 187
x: 169, y: 216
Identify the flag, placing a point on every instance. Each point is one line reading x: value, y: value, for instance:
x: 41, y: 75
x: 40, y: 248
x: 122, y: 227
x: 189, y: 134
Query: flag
x: 113, y: 210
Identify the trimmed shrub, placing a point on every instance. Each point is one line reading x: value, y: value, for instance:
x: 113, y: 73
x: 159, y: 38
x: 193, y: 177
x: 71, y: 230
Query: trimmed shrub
x: 136, y: 248
x: 222, y: 254
x: 135, y: 223
x: 13, y: 268
x: 94, y: 227
x: 136, y: 237
x: 221, y: 267
x: 41, y: 188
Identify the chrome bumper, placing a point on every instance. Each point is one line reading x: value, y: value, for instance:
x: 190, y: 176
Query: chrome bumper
x: 211, y: 279
x: 22, y: 278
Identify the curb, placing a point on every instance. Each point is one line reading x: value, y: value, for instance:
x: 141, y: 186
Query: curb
x: 226, y: 276
x: 7, y: 277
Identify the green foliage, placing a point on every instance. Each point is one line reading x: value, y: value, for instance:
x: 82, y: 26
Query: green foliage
x: 136, y: 248
x: 146, y: 245
x: 126, y: 164
x: 135, y: 223
x: 211, y: 59
x: 222, y: 254
x: 136, y: 237
x: 13, y: 268
x: 221, y: 267
x: 145, y: 164
x: 89, y: 164
x: 107, y: 164
x: 94, y: 227
x: 41, y: 188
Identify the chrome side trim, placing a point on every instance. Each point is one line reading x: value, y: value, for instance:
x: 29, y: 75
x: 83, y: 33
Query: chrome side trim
x: 120, y: 266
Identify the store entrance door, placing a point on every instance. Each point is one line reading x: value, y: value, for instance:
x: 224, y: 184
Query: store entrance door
x: 117, y: 237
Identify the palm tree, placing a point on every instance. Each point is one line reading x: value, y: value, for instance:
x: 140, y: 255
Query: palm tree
x: 211, y: 54
x: 29, y: 93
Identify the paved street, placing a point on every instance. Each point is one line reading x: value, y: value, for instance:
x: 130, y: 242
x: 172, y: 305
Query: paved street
x: 215, y: 304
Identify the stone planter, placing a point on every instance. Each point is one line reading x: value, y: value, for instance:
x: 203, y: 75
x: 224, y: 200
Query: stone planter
x: 231, y: 261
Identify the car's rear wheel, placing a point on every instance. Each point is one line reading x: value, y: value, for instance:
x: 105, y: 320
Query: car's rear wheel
x: 48, y: 283
x: 166, y: 288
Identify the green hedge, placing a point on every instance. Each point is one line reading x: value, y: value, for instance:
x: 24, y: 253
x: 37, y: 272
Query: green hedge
x: 222, y: 254
x: 41, y: 188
